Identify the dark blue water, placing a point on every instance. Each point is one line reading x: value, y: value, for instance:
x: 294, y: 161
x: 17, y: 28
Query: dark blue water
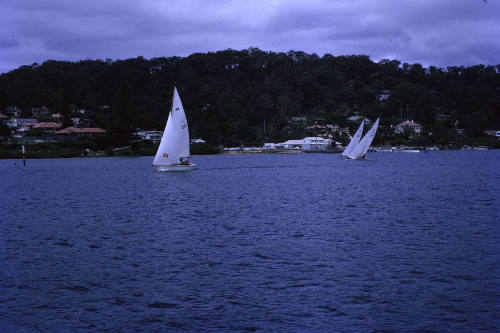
x: 285, y: 243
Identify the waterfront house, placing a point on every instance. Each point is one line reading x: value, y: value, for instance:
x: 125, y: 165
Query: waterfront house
x: 154, y: 136
x: 270, y: 146
x: 82, y: 132
x: 409, y: 125
x: 290, y: 144
x: 316, y: 144
x: 310, y: 143
x: 91, y: 131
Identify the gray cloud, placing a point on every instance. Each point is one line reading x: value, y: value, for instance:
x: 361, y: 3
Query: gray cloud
x: 441, y: 33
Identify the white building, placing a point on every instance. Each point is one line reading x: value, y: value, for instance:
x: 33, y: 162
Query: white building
x: 309, y: 143
x: 270, y: 145
x: 409, y: 124
x: 154, y: 136
x: 290, y: 144
x: 316, y: 143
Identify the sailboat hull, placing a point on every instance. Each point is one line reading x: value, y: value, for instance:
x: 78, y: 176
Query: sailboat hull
x: 353, y: 158
x: 174, y: 167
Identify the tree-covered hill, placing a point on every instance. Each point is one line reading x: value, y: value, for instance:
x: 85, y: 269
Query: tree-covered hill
x: 251, y: 95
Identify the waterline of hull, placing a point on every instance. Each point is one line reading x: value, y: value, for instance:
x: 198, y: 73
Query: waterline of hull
x: 174, y: 167
x: 353, y: 158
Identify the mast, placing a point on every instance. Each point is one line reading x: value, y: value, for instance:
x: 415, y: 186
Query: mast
x: 24, y: 156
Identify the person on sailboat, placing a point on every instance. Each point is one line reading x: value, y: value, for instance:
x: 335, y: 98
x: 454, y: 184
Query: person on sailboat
x: 184, y: 161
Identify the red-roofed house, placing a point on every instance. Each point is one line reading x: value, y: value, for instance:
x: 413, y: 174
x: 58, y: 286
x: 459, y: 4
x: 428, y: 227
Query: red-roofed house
x: 317, y: 130
x: 68, y: 130
x: 410, y: 125
x: 86, y: 131
x: 48, y: 126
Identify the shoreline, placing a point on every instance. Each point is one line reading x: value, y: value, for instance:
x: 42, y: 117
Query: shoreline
x: 251, y: 152
x: 254, y: 151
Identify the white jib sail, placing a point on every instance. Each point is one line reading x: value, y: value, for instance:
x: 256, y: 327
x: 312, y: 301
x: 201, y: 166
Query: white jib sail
x: 363, y: 146
x: 354, y: 140
x: 175, y: 140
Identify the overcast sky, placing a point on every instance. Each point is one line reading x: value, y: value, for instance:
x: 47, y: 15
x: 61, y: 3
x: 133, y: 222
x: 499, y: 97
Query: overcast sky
x: 430, y: 32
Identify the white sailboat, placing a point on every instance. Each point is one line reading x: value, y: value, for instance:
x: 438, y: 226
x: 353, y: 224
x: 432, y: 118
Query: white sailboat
x: 173, y: 151
x: 354, y: 140
x: 359, y: 151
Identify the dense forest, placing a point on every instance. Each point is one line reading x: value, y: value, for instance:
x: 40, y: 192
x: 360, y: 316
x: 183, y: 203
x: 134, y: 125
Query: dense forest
x: 251, y: 95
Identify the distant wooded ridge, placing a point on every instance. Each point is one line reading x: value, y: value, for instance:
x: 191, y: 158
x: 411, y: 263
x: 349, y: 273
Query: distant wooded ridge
x: 251, y: 95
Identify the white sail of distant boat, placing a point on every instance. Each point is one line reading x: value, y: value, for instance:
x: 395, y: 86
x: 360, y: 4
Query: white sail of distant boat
x: 354, y: 140
x: 360, y: 150
x: 173, y: 151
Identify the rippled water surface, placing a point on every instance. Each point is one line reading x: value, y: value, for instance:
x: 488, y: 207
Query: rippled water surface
x: 285, y: 243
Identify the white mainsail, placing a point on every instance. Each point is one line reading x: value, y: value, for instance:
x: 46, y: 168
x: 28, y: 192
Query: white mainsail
x: 354, y: 140
x: 363, y: 146
x: 174, y: 143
